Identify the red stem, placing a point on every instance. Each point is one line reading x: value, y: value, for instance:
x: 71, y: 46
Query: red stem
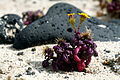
x: 81, y: 65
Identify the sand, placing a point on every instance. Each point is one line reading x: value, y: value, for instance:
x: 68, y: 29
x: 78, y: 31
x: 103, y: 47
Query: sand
x: 14, y: 66
x: 19, y: 6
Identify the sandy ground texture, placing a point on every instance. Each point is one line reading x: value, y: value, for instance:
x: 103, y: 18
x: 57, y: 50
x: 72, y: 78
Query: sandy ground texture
x: 19, y: 6
x: 26, y: 64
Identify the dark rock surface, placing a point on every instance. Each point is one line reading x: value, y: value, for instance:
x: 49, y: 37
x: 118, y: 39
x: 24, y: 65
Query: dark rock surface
x: 115, y: 21
x: 10, y: 24
x: 55, y: 25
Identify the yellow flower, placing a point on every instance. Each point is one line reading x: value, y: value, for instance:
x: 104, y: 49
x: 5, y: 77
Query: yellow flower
x: 72, y: 20
x: 82, y: 18
x: 71, y: 14
x: 83, y: 15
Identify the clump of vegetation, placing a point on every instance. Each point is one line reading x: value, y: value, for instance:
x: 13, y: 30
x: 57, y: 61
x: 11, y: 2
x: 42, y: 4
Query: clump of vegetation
x: 112, y: 7
x: 30, y: 16
x: 71, y: 56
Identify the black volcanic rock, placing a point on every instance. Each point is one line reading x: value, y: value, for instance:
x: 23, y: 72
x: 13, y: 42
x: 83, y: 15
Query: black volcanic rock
x: 10, y: 24
x: 55, y: 25
x: 115, y: 21
x: 12, y: 19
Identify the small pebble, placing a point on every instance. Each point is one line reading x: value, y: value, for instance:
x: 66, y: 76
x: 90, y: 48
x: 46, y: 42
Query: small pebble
x: 29, y: 68
x: 20, y: 53
x: 18, y: 75
x: 33, y: 73
x: 20, y: 59
x: 1, y: 72
x: 29, y: 71
x: 34, y: 2
x: 104, y: 67
x: 107, y: 51
x: 33, y: 49
x: 84, y: 73
x: 20, y: 79
x: 66, y: 77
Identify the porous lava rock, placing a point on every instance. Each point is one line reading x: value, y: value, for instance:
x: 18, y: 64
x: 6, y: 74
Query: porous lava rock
x: 55, y: 25
x: 10, y: 24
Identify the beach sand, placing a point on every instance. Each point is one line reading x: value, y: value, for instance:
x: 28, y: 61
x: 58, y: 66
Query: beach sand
x: 14, y: 64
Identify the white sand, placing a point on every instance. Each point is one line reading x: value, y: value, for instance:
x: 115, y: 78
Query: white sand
x: 19, y: 6
x: 11, y: 65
